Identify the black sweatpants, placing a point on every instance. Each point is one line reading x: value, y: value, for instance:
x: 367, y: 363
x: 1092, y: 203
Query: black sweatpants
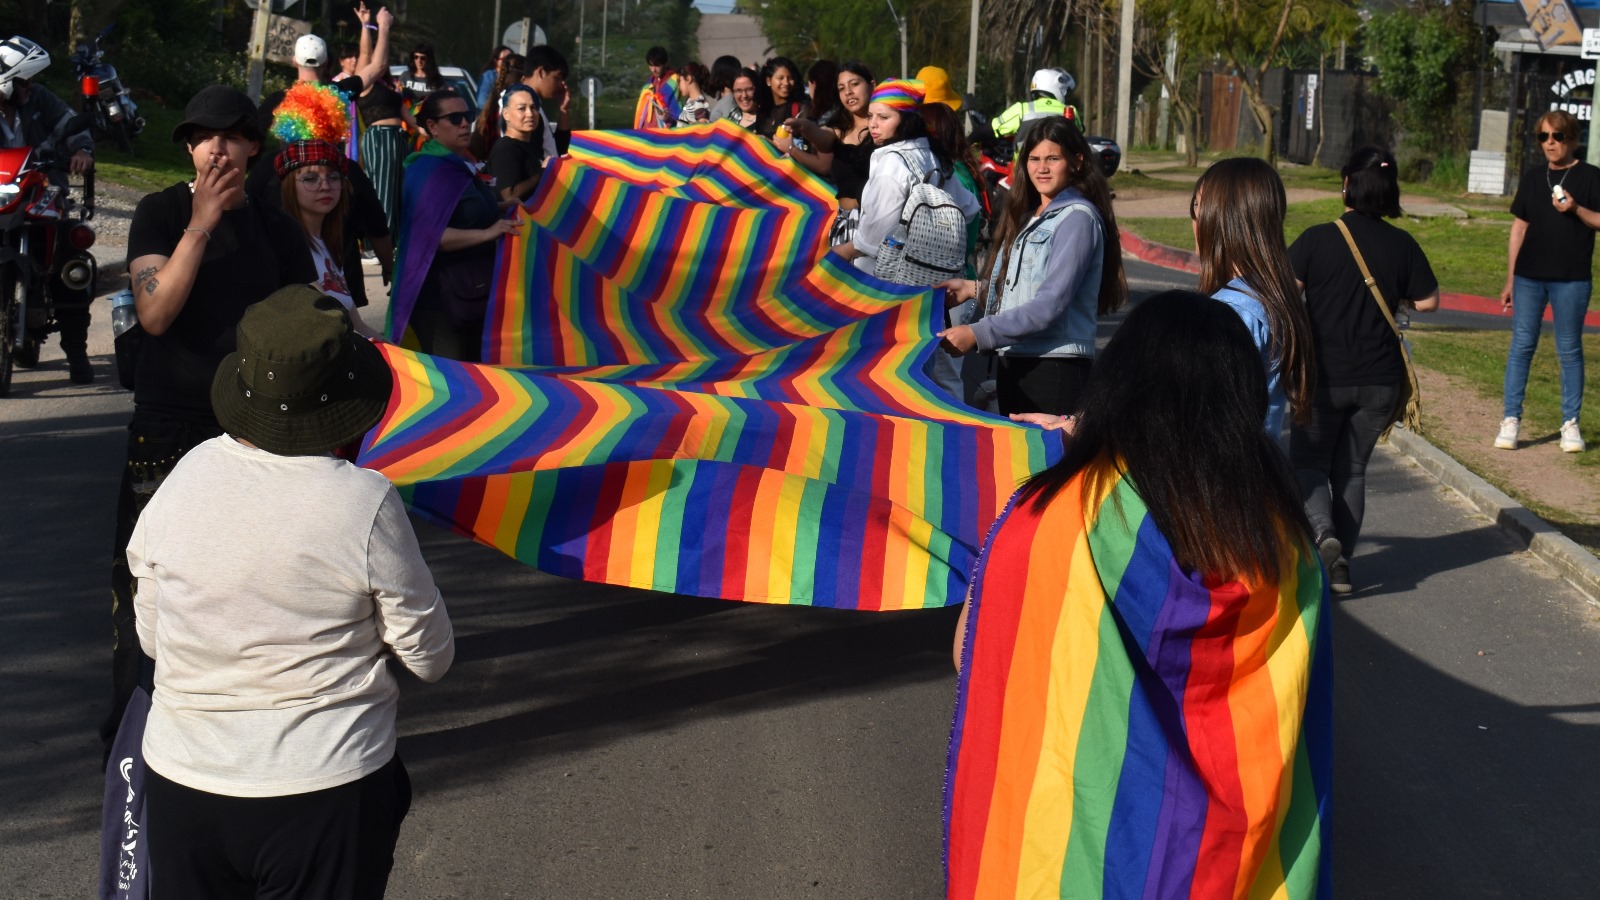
x: 336, y: 843
x: 1041, y: 384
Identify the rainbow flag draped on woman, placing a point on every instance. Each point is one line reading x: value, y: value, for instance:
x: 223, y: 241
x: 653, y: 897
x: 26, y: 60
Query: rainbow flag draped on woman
x: 1125, y: 728
x: 685, y: 392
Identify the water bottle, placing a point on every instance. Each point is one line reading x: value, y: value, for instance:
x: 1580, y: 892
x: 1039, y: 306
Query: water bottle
x: 124, y: 315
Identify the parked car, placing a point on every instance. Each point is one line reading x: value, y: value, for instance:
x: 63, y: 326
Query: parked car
x: 454, y: 77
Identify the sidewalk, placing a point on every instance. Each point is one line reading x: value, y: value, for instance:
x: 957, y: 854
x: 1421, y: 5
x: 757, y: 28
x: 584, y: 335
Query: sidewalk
x: 1576, y: 564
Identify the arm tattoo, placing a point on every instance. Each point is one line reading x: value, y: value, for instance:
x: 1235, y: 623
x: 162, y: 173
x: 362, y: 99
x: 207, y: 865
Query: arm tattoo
x: 146, y: 277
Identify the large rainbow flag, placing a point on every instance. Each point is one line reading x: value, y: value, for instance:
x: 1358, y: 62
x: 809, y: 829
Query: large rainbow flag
x: 1125, y: 728
x: 685, y: 392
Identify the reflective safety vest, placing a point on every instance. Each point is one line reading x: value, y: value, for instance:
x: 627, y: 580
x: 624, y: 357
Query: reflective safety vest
x: 1008, y: 123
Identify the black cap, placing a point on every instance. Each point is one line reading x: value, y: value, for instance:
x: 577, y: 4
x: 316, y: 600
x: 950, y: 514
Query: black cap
x: 218, y: 108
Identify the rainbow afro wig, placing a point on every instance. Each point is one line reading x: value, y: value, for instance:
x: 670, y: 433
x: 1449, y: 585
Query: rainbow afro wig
x: 311, y: 112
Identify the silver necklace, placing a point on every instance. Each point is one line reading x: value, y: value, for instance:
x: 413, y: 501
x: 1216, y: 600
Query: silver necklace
x: 1564, y: 173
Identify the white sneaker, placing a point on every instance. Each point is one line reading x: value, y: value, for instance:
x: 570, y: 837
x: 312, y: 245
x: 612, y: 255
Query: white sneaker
x: 1571, y: 440
x: 1510, y: 427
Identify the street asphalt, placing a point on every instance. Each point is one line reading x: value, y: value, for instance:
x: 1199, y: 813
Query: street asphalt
x: 601, y: 742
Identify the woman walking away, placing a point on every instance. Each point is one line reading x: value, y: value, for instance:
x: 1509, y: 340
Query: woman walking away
x: 1056, y: 267
x: 1360, y: 364
x: 271, y: 738
x: 1237, y: 212
x: 1144, y: 705
x: 451, y: 228
x: 1549, y: 263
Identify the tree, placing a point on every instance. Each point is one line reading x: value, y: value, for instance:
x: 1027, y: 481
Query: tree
x: 1159, y: 26
x: 1250, y: 35
x: 807, y: 30
x: 1423, y: 56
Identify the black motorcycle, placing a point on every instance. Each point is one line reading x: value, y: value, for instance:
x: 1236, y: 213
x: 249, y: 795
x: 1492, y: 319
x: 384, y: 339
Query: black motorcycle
x: 105, y: 99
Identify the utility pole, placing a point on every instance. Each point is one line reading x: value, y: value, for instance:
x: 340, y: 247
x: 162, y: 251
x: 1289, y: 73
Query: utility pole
x: 582, y: 5
x: 972, y: 51
x: 258, y: 49
x: 494, y: 33
x: 605, y: 14
x: 900, y: 23
x: 1125, y: 74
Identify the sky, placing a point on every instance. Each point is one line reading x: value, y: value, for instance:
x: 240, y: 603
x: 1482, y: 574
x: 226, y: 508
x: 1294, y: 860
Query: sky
x: 714, y: 6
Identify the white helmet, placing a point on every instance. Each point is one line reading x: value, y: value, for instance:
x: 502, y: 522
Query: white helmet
x: 310, y: 51
x: 20, y: 58
x: 1058, y: 83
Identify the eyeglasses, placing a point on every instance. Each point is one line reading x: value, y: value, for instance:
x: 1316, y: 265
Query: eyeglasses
x: 1560, y: 136
x: 457, y: 119
x: 330, y: 179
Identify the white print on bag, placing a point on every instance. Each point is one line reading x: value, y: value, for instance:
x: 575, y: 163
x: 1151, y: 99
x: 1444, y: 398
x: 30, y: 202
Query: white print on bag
x: 127, y: 865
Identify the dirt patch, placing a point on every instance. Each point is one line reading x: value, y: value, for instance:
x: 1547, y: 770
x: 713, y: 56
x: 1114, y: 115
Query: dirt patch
x: 1460, y: 420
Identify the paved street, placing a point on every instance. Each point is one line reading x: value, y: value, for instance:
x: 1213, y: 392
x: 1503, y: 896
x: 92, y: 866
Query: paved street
x: 602, y: 742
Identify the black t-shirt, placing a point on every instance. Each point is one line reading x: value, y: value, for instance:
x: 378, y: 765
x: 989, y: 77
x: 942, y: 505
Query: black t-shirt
x: 851, y: 166
x: 252, y: 252
x: 1558, y: 246
x: 1354, y: 343
x: 512, y: 162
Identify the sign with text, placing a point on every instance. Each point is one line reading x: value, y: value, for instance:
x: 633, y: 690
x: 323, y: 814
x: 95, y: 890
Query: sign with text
x: 1591, y: 43
x: 1554, y: 22
x: 281, y: 35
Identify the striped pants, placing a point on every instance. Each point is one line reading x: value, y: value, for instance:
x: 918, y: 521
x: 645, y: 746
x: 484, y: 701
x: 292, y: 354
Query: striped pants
x: 383, y: 150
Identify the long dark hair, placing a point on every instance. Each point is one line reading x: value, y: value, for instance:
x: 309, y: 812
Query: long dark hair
x: 724, y: 69
x: 911, y: 127
x: 824, y: 73
x: 765, y: 102
x: 430, y: 66
x: 846, y: 122
x: 333, y: 223
x: 1223, y: 495
x: 945, y: 138
x: 1083, y: 174
x: 1238, y: 207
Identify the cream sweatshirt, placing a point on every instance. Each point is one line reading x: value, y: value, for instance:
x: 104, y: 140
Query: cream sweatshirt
x: 271, y: 591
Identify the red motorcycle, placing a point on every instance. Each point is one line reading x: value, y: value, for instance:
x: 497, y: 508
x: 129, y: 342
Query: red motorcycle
x: 45, y: 264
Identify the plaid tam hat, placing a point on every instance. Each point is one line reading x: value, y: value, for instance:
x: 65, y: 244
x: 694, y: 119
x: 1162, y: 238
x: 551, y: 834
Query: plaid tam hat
x: 899, y: 94
x: 308, y: 153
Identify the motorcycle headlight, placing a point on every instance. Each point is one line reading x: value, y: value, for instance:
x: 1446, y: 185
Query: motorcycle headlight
x: 9, y: 192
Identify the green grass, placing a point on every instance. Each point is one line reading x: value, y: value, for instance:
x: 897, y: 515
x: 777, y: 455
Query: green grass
x: 155, y: 163
x: 1468, y: 255
x: 1126, y: 180
x: 1479, y: 358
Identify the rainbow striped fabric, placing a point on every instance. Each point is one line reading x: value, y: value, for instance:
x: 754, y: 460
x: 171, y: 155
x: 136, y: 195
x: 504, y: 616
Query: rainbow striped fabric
x: 659, y: 104
x: 1125, y: 728
x: 685, y: 392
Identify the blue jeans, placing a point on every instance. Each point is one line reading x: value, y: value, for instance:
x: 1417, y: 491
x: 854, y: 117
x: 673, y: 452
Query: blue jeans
x: 1569, y: 302
x: 1331, y: 452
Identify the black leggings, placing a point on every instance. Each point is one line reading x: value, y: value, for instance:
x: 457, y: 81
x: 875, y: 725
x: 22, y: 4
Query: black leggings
x: 1041, y: 384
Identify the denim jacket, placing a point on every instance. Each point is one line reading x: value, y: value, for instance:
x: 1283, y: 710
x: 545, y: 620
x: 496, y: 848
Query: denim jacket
x: 1045, y: 302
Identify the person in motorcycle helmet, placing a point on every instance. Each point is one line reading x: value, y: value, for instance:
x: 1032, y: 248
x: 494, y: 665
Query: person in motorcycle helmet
x: 1047, y: 96
x: 31, y: 116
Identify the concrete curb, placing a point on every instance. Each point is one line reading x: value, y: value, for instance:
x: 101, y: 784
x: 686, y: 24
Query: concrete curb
x: 1577, y: 565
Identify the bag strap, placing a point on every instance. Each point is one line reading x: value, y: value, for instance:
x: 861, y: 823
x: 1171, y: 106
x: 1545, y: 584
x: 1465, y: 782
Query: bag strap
x: 1366, y: 274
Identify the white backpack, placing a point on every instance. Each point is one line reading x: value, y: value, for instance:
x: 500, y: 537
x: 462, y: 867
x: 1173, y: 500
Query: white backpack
x: 929, y: 245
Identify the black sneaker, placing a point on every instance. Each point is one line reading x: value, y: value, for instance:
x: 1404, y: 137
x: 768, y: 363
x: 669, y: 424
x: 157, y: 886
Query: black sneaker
x: 78, y: 367
x: 1339, y: 577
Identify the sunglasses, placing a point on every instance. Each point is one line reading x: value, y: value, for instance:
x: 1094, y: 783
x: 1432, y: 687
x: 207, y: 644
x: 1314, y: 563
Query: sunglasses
x: 457, y: 119
x: 1560, y: 136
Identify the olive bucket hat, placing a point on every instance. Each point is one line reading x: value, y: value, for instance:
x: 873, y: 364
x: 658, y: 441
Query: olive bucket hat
x: 302, y: 381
